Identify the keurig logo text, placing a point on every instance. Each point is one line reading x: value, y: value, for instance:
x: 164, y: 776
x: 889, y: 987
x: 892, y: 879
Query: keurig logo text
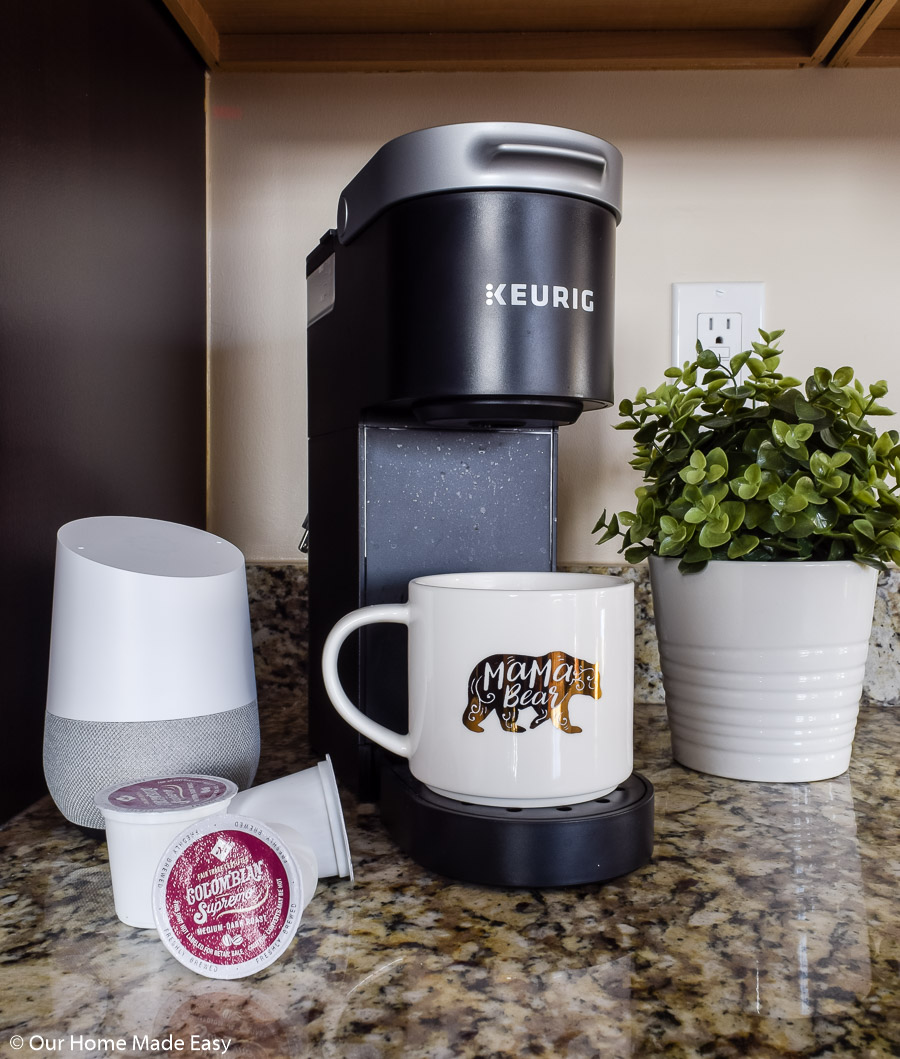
x: 539, y: 294
x: 509, y: 683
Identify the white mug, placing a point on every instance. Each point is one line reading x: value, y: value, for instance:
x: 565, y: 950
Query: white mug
x: 520, y: 685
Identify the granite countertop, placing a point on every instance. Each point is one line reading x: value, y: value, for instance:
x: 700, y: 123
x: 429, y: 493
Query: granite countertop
x: 767, y: 924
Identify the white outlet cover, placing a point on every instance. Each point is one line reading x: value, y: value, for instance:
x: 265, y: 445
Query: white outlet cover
x: 743, y: 302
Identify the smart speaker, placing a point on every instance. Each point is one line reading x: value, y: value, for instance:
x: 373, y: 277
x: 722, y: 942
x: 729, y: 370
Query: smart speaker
x: 151, y: 661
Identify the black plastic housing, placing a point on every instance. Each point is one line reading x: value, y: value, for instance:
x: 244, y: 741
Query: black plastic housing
x: 434, y: 314
x: 555, y: 846
x: 450, y: 335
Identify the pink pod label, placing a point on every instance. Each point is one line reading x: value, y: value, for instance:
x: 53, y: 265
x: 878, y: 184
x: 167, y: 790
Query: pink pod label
x: 227, y: 898
x: 176, y: 792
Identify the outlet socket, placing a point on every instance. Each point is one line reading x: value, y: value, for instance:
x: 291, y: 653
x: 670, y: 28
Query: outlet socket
x: 724, y: 317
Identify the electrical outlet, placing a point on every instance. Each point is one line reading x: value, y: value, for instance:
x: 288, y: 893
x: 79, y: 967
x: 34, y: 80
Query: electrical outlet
x: 724, y: 317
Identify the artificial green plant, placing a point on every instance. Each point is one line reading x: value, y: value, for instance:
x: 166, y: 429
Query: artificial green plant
x: 759, y: 469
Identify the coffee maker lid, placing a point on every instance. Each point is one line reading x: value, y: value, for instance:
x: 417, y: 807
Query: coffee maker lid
x: 478, y: 156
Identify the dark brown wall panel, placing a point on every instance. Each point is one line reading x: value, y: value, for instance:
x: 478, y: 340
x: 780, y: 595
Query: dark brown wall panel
x: 102, y: 305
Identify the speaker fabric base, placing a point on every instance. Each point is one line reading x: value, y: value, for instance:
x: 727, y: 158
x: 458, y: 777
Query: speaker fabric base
x: 83, y: 757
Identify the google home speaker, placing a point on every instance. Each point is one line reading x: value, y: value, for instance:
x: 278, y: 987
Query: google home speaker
x: 151, y: 660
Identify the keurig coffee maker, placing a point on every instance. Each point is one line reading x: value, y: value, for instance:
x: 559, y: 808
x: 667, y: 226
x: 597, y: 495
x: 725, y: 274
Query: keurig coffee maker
x: 461, y: 311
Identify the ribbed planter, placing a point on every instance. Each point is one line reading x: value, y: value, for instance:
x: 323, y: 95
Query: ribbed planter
x: 763, y: 664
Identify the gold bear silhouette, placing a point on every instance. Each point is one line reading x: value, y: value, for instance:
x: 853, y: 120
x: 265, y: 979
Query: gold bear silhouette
x: 546, y: 683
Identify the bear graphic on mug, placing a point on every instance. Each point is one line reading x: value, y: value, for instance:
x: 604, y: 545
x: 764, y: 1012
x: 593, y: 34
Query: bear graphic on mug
x: 546, y: 683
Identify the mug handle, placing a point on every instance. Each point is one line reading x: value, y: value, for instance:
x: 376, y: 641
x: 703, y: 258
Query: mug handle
x: 396, y: 612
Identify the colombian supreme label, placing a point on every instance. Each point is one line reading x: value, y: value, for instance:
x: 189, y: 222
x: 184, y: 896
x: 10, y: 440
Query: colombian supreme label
x: 228, y: 901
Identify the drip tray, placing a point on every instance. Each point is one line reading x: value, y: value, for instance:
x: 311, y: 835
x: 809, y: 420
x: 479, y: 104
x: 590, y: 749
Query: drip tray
x: 495, y: 846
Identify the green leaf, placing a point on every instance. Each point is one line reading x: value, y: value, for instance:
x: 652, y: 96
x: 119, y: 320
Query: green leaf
x: 711, y: 538
x: 612, y: 530
x: 600, y: 523
x: 843, y: 376
x: 739, y: 360
x: 757, y: 515
x: 685, y: 567
x: 669, y: 546
x: 696, y: 553
x: 734, y: 510
x: 770, y: 458
x: 717, y: 490
x: 646, y: 433
x: 803, y: 527
x: 869, y: 560
x: 692, y: 475
x: 820, y: 464
x: 785, y: 501
x: 716, y: 465
x: 836, y: 551
x: 637, y: 554
x: 804, y: 487
x: 672, y: 373
x: 742, y: 545
x: 718, y: 522
x: 864, y: 527
x: 744, y: 489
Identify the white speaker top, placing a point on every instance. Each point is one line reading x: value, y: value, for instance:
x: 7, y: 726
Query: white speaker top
x: 150, y: 622
x: 148, y: 546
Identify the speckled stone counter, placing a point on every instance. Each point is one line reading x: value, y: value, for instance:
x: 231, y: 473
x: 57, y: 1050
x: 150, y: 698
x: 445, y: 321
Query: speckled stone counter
x: 767, y: 924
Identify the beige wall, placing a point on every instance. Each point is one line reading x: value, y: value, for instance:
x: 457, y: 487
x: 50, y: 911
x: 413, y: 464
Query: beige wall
x: 792, y: 178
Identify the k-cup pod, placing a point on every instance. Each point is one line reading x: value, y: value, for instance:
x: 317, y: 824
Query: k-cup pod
x: 141, y: 819
x: 228, y: 894
x: 309, y: 804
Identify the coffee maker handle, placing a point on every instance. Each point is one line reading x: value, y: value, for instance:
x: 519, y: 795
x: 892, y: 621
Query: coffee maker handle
x: 396, y: 612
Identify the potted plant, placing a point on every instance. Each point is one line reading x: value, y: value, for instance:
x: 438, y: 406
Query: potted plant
x: 767, y: 508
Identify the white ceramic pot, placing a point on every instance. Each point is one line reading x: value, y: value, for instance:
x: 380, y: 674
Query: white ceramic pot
x: 763, y: 664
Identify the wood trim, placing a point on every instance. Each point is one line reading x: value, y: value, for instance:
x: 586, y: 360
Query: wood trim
x: 861, y: 32
x: 881, y: 49
x: 832, y: 25
x: 192, y: 17
x: 621, y: 50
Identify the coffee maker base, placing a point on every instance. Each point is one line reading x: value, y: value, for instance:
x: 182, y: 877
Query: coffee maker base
x: 564, y: 845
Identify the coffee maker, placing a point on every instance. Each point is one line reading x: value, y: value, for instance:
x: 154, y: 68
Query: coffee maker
x: 458, y: 315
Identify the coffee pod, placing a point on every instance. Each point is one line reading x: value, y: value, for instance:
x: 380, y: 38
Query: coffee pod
x: 141, y: 819
x: 228, y: 895
x: 309, y: 804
